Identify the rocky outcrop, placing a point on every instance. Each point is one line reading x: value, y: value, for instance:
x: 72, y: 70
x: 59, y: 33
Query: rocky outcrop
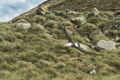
x: 42, y: 10
x: 105, y: 45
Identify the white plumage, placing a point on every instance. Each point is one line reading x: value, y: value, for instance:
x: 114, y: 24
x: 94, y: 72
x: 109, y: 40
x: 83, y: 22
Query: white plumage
x: 70, y: 44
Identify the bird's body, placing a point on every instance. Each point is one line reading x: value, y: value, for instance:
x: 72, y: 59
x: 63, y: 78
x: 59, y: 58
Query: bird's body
x: 70, y: 44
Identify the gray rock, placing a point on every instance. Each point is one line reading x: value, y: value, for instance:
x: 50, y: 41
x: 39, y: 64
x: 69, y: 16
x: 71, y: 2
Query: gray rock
x: 105, y: 45
x: 79, y: 20
x: 94, y: 12
x: 117, y: 39
x: 84, y: 46
x: 117, y: 13
x: 24, y: 25
x: 96, y: 32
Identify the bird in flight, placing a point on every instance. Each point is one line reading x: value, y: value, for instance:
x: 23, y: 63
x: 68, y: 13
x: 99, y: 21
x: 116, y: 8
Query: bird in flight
x: 70, y: 42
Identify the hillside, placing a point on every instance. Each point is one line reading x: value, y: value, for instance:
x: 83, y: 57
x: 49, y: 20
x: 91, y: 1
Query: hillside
x: 86, y: 5
x: 32, y: 44
x: 77, y: 5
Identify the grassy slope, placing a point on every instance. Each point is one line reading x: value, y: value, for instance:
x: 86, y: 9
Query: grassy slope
x: 33, y: 54
x: 37, y: 53
x: 83, y: 5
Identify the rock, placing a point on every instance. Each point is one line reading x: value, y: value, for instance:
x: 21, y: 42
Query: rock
x: 118, y: 47
x: 117, y: 13
x: 97, y: 35
x: 79, y: 20
x: 105, y: 45
x: 9, y: 22
x: 94, y: 12
x: 96, y: 32
x: 117, y: 39
x: 24, y: 25
x: 84, y: 46
x: 42, y: 10
x: 109, y: 25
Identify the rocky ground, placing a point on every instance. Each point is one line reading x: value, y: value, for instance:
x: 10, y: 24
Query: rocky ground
x: 31, y: 47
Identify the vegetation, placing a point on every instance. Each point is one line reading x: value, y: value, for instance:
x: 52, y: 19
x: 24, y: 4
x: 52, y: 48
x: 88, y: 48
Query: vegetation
x: 37, y: 53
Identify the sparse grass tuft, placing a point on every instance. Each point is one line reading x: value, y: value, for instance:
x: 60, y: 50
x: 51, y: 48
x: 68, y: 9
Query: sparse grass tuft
x: 51, y: 17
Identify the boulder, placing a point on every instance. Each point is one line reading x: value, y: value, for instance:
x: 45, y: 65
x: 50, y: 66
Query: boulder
x: 105, y: 45
x: 96, y: 32
x: 79, y: 20
x: 117, y: 13
x: 23, y: 25
x: 43, y: 8
x: 84, y: 46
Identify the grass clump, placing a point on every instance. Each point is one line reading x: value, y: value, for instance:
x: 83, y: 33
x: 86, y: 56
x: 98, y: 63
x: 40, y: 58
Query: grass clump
x: 50, y: 24
x: 51, y: 16
x: 93, y: 20
x: 6, y: 46
x: 68, y: 23
x: 22, y: 21
x: 37, y: 53
x: 111, y: 33
x: 38, y: 19
x: 101, y: 25
x: 86, y: 29
x: 99, y: 37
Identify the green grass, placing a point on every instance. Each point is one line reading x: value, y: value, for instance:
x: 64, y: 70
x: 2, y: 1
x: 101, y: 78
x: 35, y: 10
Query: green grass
x: 37, y: 53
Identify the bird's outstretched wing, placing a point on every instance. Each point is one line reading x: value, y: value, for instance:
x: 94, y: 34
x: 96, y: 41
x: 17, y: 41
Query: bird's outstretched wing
x: 66, y: 34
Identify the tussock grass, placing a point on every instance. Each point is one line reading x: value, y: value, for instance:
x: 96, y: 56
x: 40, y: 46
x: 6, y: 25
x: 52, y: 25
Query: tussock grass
x: 37, y: 53
x: 86, y: 29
